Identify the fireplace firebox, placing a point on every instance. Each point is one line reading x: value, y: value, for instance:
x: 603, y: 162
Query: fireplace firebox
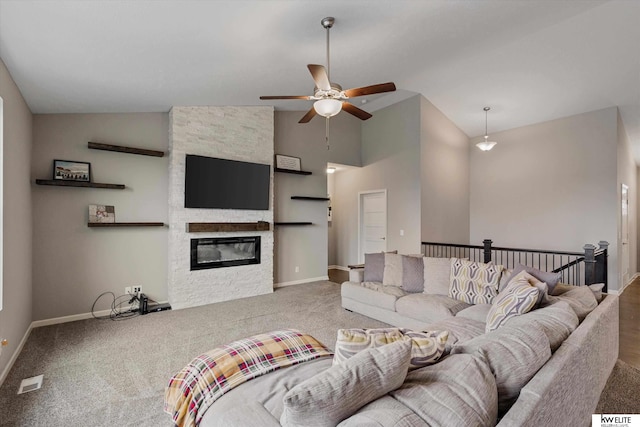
x: 224, y: 252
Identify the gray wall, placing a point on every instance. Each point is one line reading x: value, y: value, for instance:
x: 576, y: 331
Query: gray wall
x: 15, y: 316
x: 550, y: 185
x: 73, y: 264
x: 391, y: 161
x: 627, y: 175
x: 305, y: 247
x: 444, y: 173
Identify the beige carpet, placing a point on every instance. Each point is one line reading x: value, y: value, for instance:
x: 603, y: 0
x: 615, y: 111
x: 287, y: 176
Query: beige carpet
x: 105, y: 373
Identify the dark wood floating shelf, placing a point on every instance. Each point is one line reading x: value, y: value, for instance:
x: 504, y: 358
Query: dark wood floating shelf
x: 196, y: 227
x: 125, y: 224
x: 61, y: 183
x: 292, y: 223
x: 291, y: 171
x: 309, y: 198
x: 123, y: 149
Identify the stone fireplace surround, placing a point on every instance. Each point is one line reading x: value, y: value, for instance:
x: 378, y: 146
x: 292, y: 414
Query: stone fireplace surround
x: 235, y: 133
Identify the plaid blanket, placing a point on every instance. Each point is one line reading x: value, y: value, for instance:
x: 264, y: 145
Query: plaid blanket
x: 207, y: 377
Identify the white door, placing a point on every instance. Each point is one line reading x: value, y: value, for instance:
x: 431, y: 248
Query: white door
x: 372, y: 222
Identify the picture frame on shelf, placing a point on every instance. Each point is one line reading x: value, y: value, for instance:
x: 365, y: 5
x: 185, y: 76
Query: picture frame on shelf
x: 102, y: 214
x: 287, y: 162
x: 71, y: 170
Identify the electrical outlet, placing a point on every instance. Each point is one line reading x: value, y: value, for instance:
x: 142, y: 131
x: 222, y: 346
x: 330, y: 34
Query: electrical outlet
x: 127, y: 290
x: 3, y: 343
x: 297, y: 269
x: 137, y: 290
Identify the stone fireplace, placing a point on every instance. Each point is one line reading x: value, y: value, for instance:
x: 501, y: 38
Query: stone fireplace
x: 218, y: 252
x: 233, y: 133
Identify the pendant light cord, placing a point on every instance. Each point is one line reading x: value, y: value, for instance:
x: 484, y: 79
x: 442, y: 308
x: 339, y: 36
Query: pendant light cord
x: 328, y: 57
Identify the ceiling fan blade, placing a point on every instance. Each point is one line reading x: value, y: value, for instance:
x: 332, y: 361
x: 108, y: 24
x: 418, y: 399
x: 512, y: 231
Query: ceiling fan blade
x: 307, y: 117
x: 319, y: 74
x: 370, y: 90
x: 286, y: 97
x: 352, y: 109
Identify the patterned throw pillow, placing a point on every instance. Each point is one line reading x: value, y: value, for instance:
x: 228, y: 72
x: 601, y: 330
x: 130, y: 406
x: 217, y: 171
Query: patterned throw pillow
x: 517, y: 298
x: 426, y: 347
x: 474, y: 282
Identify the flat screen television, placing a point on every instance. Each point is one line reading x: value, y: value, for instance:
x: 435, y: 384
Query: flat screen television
x: 225, y: 184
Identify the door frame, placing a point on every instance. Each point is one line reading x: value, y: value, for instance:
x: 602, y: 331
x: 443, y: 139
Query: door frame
x: 361, y: 195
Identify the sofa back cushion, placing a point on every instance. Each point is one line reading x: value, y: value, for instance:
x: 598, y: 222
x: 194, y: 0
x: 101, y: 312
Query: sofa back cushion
x: 458, y: 391
x: 436, y: 275
x: 557, y: 321
x: 520, y: 296
x: 581, y: 299
x: 335, y: 394
x: 426, y: 347
x: 474, y: 282
x: 514, y: 355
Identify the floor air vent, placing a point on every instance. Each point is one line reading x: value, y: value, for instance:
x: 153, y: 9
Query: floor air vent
x: 30, y: 384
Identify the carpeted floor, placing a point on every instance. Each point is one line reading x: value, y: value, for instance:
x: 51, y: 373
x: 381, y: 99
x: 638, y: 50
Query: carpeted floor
x: 106, y: 373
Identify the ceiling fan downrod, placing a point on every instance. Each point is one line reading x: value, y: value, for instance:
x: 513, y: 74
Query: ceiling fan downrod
x: 328, y: 23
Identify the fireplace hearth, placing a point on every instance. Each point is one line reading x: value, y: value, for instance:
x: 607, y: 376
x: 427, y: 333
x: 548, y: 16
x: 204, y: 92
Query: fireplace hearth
x: 221, y: 252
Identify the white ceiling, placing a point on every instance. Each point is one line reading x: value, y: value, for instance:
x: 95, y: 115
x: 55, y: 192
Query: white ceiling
x: 530, y: 60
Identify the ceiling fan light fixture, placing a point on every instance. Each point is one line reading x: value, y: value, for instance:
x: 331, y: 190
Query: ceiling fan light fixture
x: 486, y: 145
x: 327, y: 107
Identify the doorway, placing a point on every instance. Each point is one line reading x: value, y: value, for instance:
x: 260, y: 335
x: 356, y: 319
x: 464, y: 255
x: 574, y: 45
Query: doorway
x: 372, y: 222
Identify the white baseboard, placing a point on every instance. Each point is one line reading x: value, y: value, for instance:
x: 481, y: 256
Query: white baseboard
x: 81, y: 316
x: 299, y: 282
x: 338, y: 267
x: 15, y: 355
x: 620, y: 291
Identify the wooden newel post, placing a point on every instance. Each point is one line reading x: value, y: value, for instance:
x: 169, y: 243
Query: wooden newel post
x: 602, y: 265
x: 589, y: 264
x: 487, y: 250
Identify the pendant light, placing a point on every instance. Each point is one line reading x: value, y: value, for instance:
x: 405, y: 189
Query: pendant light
x: 486, y: 145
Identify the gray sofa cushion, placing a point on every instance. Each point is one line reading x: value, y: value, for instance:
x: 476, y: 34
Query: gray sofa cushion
x: 460, y: 329
x: 429, y: 308
x: 373, y: 267
x: 371, y: 293
x: 384, y: 412
x: 558, y: 321
x: 245, y: 414
x: 333, y: 395
x: 476, y: 312
x: 514, y: 355
x: 580, y: 298
x: 458, y: 391
x: 412, y: 274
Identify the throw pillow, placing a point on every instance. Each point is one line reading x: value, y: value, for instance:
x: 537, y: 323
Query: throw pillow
x: 517, y: 298
x: 333, y: 395
x: 551, y: 279
x: 474, y: 282
x: 459, y: 391
x: 514, y: 355
x: 412, y: 274
x: 436, y: 275
x: 426, y: 347
x: 373, y: 267
x: 392, y: 275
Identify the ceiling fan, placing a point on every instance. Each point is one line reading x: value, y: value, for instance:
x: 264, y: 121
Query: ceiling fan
x: 329, y: 97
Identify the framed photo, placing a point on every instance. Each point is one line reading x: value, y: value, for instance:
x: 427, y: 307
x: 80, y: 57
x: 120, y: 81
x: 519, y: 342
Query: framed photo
x: 102, y: 213
x: 287, y: 162
x: 69, y: 170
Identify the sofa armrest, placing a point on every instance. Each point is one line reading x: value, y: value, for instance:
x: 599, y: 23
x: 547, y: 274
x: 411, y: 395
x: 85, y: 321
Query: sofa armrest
x: 356, y: 275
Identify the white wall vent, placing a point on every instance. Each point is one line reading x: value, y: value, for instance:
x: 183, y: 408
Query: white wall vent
x: 30, y: 384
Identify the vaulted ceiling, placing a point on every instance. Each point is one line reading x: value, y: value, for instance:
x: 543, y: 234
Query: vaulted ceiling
x: 530, y: 60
